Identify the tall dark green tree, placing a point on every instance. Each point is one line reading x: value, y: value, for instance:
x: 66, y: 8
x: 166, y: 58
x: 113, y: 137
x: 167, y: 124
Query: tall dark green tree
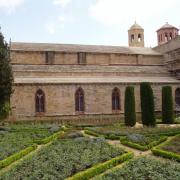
x: 167, y: 105
x: 147, y: 104
x: 129, y: 106
x: 6, y: 78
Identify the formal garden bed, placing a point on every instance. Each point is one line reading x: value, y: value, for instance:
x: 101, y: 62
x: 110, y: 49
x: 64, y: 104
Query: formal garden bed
x: 64, y: 158
x: 14, y: 138
x: 142, y: 142
x: 143, y: 168
x: 169, y: 149
x: 117, y: 130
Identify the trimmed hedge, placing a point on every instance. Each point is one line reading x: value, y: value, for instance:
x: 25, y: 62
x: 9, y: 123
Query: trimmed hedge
x: 166, y: 154
x: 100, y: 168
x: 91, y: 133
x: 49, y: 139
x: 167, y: 105
x: 106, y: 136
x: 9, y: 160
x: 129, y: 107
x: 124, y: 141
x: 147, y: 104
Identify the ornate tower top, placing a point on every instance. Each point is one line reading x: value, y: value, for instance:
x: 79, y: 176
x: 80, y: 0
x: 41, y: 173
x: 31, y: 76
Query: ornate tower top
x: 166, y: 33
x: 136, y: 35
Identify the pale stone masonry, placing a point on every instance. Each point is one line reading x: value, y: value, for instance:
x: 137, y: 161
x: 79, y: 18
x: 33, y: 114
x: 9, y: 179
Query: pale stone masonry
x: 59, y: 70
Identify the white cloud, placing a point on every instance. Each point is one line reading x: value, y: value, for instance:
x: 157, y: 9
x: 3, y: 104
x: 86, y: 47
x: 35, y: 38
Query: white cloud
x: 54, y: 26
x: 10, y: 5
x: 51, y: 28
x: 111, y: 12
x: 61, y: 3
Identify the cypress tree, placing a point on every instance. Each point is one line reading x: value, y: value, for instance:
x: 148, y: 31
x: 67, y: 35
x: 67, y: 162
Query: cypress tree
x: 129, y: 107
x: 147, y: 104
x: 6, y: 78
x: 167, y: 105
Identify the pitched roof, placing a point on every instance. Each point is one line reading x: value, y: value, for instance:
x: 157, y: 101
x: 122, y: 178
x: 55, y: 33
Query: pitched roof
x: 73, y: 48
x: 167, y: 26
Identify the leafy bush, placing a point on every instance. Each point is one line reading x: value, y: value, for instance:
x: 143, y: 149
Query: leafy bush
x: 144, y: 168
x: 170, y: 149
x: 147, y: 104
x: 18, y: 137
x: 64, y: 158
x: 100, y: 168
x: 129, y: 107
x: 142, y: 142
x: 118, y: 131
x: 16, y: 156
x: 167, y: 105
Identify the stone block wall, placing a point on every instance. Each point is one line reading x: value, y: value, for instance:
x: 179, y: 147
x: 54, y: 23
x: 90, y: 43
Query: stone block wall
x: 60, y: 99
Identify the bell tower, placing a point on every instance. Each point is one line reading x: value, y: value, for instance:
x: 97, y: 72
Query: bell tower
x: 136, y: 36
x: 166, y: 33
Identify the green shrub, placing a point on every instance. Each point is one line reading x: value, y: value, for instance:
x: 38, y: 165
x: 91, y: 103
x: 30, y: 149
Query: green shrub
x: 49, y: 139
x: 141, y: 142
x: 166, y: 154
x: 100, y: 168
x: 16, y: 156
x: 91, y: 133
x: 167, y: 105
x: 129, y: 107
x: 147, y: 104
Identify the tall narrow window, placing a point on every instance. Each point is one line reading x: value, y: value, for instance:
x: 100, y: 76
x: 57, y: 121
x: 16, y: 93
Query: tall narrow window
x: 166, y: 37
x: 115, y: 99
x: 40, y: 101
x: 132, y: 37
x: 139, y: 37
x: 79, y: 100
x: 81, y: 58
x: 177, y: 97
x: 170, y: 36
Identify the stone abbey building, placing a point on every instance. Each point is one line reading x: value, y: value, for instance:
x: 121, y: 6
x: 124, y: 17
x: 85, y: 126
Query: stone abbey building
x: 54, y: 81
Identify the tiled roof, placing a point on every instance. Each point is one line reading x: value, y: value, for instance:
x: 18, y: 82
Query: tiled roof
x: 91, y: 68
x: 19, y: 46
x: 89, y: 80
x: 167, y: 26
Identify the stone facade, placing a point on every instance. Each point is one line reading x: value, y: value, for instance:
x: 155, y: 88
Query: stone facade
x: 59, y: 70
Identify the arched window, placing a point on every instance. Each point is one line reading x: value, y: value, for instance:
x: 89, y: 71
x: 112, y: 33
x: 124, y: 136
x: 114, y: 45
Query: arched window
x: 40, y: 101
x: 166, y: 37
x: 115, y: 99
x: 139, y: 37
x: 79, y: 100
x: 177, y: 97
x: 132, y: 37
x: 170, y: 36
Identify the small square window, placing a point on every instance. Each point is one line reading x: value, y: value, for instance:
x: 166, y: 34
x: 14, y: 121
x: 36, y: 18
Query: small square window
x: 49, y: 57
x: 81, y: 58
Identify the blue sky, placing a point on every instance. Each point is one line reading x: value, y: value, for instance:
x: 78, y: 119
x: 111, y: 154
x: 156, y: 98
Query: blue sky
x: 102, y: 22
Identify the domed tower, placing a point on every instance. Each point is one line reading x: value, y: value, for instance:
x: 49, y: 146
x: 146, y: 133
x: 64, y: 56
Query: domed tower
x: 136, y: 36
x: 166, y: 33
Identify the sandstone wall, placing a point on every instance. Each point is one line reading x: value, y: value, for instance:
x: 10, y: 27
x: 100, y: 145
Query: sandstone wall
x: 60, y: 99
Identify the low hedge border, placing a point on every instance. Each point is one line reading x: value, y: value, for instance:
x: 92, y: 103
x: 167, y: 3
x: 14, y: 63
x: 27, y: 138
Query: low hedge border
x: 91, y: 133
x: 49, y: 138
x: 9, y: 160
x: 106, y: 136
x: 102, y: 167
x: 124, y: 141
x: 166, y: 154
